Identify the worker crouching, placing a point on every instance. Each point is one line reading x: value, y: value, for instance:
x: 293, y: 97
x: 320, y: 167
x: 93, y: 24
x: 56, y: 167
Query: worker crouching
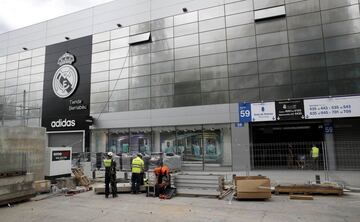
x: 110, y: 175
x: 162, y: 180
x: 137, y: 170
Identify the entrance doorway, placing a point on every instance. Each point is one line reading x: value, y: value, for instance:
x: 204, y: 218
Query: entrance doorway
x: 286, y: 145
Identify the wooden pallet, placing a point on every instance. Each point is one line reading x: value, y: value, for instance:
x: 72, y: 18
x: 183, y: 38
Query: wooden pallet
x: 79, y: 175
x: 308, y: 189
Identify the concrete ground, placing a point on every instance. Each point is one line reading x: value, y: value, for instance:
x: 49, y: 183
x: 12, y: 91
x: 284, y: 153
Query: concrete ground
x: 87, y: 207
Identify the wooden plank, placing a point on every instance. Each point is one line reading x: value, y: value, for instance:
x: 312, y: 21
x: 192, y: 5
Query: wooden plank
x: 308, y: 189
x: 301, y: 197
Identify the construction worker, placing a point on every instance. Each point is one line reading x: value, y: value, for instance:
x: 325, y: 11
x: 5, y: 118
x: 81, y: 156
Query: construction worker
x: 137, y: 168
x: 315, y: 157
x: 110, y: 175
x: 162, y: 179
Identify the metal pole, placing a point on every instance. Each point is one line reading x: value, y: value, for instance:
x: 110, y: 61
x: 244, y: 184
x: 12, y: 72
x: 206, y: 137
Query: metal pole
x: 324, y: 151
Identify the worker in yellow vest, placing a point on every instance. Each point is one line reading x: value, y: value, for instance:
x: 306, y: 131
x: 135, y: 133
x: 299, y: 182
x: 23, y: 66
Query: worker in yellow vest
x: 137, y: 167
x: 315, y: 157
x: 110, y: 175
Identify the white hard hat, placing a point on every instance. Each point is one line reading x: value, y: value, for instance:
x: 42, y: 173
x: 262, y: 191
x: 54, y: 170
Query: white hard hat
x: 110, y: 154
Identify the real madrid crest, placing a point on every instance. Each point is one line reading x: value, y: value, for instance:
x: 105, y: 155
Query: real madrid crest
x: 66, y: 77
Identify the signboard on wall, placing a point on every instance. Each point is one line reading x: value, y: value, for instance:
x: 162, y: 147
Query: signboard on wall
x: 290, y: 110
x: 263, y: 112
x: 66, y: 94
x: 339, y: 107
x: 244, y: 112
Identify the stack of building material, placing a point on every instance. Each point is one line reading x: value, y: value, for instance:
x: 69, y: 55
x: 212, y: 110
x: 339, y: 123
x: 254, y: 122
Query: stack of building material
x: 307, y: 189
x: 252, y: 187
x: 121, y: 188
x: 16, y: 188
x: 173, y: 162
x: 42, y: 186
x: 199, y: 184
x: 126, y: 160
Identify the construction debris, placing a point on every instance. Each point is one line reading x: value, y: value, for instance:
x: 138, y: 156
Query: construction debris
x: 80, y: 177
x: 308, y: 189
x: 252, y: 187
x: 42, y: 186
x: 199, y: 184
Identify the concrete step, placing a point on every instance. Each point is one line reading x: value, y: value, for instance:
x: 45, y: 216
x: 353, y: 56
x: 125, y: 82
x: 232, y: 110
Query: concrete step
x: 197, y: 185
x: 197, y: 192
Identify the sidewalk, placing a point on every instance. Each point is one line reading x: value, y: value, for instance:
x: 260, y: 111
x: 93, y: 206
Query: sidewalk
x: 88, y: 206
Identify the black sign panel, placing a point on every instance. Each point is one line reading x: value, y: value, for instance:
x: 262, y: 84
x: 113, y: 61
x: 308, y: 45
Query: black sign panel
x: 60, y: 155
x: 290, y: 110
x: 66, y: 94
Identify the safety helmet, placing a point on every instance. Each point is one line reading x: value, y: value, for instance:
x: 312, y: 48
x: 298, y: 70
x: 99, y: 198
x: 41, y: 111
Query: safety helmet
x: 140, y: 155
x: 110, y: 154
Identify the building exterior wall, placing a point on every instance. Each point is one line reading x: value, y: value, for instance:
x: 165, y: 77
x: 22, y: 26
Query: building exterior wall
x: 199, y: 64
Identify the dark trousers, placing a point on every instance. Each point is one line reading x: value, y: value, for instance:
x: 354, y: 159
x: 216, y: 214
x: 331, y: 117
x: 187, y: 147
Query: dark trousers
x: 108, y: 182
x: 315, y: 162
x: 135, y: 182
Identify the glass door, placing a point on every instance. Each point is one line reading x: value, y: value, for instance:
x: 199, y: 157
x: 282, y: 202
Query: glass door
x: 189, y: 144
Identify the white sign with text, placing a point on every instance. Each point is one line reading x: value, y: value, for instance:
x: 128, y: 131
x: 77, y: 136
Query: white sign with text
x: 263, y: 112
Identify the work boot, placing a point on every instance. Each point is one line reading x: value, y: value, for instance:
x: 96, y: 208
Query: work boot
x: 106, y: 196
x: 115, y: 195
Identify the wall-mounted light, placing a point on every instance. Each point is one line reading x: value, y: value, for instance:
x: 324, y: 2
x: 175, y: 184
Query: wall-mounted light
x: 185, y: 10
x: 24, y: 48
x: 119, y: 25
x: 67, y: 38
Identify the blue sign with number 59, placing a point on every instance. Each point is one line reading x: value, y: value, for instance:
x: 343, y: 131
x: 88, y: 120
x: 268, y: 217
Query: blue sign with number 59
x: 244, y: 112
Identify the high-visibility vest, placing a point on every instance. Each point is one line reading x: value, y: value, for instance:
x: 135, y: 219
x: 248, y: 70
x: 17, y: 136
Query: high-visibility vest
x: 314, y: 152
x: 137, y: 165
x: 107, y: 162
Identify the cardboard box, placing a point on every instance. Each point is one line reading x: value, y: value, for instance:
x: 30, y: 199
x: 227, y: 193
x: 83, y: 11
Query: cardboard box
x: 252, y: 187
x: 42, y: 186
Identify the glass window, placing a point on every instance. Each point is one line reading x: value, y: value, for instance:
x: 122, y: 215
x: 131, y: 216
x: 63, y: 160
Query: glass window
x: 162, y: 45
x: 185, y: 18
x: 275, y: 79
x: 119, y: 53
x: 140, y: 140
x: 160, y: 79
x: 186, y: 29
x: 183, y: 64
x: 38, y: 60
x: 271, y: 25
x: 242, y: 56
x: 270, y: 13
x: 211, y: 13
x: 244, y: 82
x: 23, y: 80
x: 162, y: 67
x: 213, y: 60
x: 37, y: 69
x: 99, y: 108
x: 212, y: 36
x: 215, y: 98
x: 243, y: 69
x: 35, y: 95
x: 211, y: 48
x: 120, y: 32
x: 343, y: 57
x: 187, y: 75
x: 163, y: 137
x: 240, y: 31
x: 139, y: 70
x: 119, y: 73
x: 100, y: 37
x: 102, y: 46
x: 162, y: 90
x: 275, y: 38
x: 140, y: 81
x: 186, y: 40
x: 140, y: 28
x: 162, y: 23
x: 186, y: 52
x: 237, y: 7
x: 162, y: 34
x: 240, y: 19
x: 99, y: 97
x: 308, y: 47
x: 308, y: 61
x: 139, y: 104
x: 12, y: 74
x: 308, y: 33
x: 279, y: 92
x: 162, y: 56
x: 119, y: 141
x: 187, y: 100
x: 119, y: 43
x: 241, y: 43
x: 212, y: 24
x: 119, y: 84
x: 37, y: 77
x: 301, y: 21
x: 248, y: 95
x: 340, y: 14
x: 259, y: 4
x: 99, y: 87
x: 302, y: 7
x: 274, y: 65
x: 24, y: 63
x: 187, y: 87
x: 119, y: 95
x: 100, y: 66
x: 311, y: 90
x: 139, y: 60
x: 36, y: 86
x: 138, y: 93
x: 118, y: 106
x: 214, y: 72
x: 99, y: 76
x: 272, y: 52
x: 100, y: 56
x: 189, y: 143
x: 214, y: 85
x: 162, y: 102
